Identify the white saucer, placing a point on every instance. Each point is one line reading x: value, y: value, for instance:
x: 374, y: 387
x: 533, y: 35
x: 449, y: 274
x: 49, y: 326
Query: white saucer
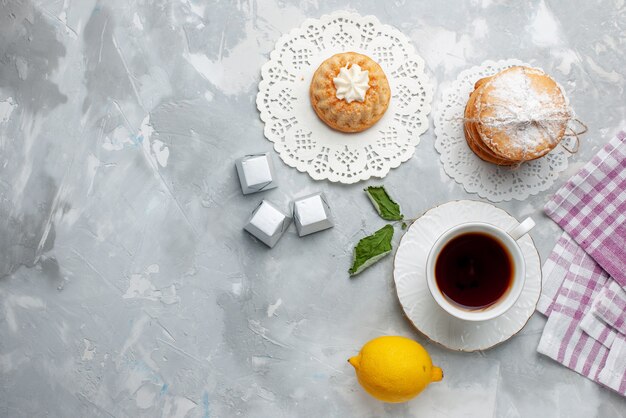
x: 419, y: 306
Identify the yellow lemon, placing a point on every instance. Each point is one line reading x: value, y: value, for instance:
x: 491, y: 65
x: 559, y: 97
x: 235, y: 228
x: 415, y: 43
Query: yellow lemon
x: 394, y: 369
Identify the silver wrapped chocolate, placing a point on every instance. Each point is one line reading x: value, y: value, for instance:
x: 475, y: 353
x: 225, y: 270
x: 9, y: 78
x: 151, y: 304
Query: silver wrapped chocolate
x: 267, y: 223
x: 312, y: 214
x: 256, y: 172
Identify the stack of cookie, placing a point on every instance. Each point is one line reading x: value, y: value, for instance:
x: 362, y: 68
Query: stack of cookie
x: 517, y: 115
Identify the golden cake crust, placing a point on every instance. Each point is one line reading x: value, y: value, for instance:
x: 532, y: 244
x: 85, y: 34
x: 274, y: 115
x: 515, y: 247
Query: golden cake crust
x: 339, y: 114
x: 517, y: 115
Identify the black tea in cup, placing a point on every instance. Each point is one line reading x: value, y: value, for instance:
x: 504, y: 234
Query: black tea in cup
x: 474, y: 270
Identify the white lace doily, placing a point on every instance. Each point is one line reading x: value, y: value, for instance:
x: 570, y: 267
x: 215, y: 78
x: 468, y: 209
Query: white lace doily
x: 492, y: 182
x: 305, y: 142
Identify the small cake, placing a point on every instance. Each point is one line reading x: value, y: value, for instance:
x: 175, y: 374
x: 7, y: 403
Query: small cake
x: 517, y: 115
x: 350, y: 92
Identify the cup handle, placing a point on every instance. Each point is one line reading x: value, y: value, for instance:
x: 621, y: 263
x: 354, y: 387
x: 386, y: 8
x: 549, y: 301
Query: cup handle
x: 522, y: 229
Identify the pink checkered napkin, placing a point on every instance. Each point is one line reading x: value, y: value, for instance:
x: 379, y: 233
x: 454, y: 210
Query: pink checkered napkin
x: 554, y: 271
x: 563, y: 339
x: 598, y: 329
x: 606, y: 319
x: 586, y: 308
x: 613, y: 374
x: 591, y: 208
x: 610, y: 306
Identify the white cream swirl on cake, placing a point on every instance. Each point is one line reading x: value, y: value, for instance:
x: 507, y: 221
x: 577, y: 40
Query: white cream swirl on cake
x: 352, y: 83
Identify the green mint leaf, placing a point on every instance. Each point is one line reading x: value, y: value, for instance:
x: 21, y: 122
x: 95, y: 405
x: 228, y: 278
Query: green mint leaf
x: 383, y: 203
x: 371, y: 249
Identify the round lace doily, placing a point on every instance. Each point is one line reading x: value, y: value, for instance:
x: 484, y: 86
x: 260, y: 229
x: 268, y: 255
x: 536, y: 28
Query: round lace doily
x: 492, y: 182
x: 305, y: 142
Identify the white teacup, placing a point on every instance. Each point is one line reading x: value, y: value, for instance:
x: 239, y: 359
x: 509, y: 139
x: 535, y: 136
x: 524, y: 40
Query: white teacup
x: 508, y: 240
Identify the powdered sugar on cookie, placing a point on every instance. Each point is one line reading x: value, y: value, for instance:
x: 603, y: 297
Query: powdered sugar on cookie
x: 523, y: 109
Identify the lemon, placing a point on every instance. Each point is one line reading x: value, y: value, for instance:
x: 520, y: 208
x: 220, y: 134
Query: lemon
x: 394, y: 369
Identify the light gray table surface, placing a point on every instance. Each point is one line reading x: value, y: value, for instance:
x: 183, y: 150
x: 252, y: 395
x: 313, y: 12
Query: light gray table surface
x: 127, y: 286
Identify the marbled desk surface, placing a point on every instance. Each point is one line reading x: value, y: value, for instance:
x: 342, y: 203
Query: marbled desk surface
x: 128, y: 287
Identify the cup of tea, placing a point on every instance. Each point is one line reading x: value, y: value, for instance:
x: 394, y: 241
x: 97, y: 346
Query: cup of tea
x: 476, y: 271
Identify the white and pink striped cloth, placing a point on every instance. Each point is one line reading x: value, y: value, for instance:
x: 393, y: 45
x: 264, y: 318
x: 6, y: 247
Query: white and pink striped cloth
x: 584, y: 278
